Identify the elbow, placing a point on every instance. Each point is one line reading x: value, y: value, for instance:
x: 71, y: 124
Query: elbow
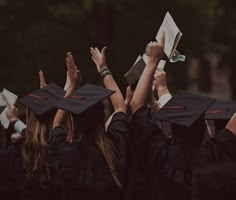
x: 134, y: 106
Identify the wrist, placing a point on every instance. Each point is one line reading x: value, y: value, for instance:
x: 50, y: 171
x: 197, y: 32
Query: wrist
x: 102, y: 68
x: 13, y: 120
x: 72, y: 86
x: 154, y: 60
x: 105, y: 73
x: 161, y: 90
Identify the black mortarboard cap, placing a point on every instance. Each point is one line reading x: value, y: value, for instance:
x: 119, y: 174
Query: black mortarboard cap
x: 221, y: 110
x: 134, y: 74
x: 83, y: 98
x: 41, y: 101
x: 184, y: 108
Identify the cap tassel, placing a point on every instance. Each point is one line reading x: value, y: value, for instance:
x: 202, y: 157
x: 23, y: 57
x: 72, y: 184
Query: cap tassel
x: 76, y: 97
x: 37, y: 97
x: 70, y: 129
x: 216, y: 111
x: 173, y: 107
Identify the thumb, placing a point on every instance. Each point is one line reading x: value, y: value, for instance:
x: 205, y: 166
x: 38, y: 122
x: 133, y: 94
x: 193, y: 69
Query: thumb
x: 103, y: 50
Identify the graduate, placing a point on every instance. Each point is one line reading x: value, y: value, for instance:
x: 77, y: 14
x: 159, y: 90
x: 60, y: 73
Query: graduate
x: 8, y: 186
x: 31, y: 171
x: 30, y: 166
x: 168, y: 167
x: 88, y: 160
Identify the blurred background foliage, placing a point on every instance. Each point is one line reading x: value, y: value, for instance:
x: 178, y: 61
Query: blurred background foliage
x: 37, y: 34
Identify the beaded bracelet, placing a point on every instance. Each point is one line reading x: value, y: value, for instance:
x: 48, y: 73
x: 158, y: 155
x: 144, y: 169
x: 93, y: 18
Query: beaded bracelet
x: 105, y: 73
x: 104, y: 69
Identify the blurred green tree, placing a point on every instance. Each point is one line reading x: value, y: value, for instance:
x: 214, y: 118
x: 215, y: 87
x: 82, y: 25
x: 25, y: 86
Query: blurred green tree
x: 36, y: 35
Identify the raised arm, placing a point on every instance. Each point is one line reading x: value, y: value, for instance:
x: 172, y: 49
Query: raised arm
x: 99, y: 59
x: 42, y: 80
x: 128, y: 96
x: 161, y: 87
x: 72, y: 76
x: 143, y: 89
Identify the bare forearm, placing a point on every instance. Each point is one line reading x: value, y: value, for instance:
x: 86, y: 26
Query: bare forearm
x: 117, y: 98
x: 61, y: 114
x: 143, y: 88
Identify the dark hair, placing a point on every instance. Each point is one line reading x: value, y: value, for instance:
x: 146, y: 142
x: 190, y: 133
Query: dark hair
x: 91, y: 125
x: 35, y: 148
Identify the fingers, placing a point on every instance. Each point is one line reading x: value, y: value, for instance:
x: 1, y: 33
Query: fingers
x: 163, y: 36
x: 72, y: 60
x: 70, y: 63
x: 93, y: 53
x: 159, y: 73
x: 42, y: 79
x: 97, y: 50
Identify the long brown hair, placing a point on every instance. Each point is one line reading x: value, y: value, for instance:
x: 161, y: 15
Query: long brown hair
x: 91, y: 124
x: 35, y: 148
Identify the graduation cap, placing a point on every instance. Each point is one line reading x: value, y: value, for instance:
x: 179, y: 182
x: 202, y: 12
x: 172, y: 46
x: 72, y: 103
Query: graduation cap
x: 41, y: 101
x: 184, y: 109
x: 134, y: 74
x: 83, y: 98
x: 221, y: 110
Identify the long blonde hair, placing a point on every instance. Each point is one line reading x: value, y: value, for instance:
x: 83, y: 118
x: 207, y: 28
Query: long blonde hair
x: 92, y: 125
x: 35, y: 148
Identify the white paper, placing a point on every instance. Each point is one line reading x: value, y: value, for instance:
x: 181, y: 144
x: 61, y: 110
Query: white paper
x: 3, y: 118
x: 145, y: 58
x: 172, y: 34
x: 10, y: 99
x: 2, y: 100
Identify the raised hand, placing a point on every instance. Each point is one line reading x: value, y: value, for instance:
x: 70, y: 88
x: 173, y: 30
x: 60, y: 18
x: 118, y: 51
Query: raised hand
x: 42, y: 79
x: 72, y: 72
x: 12, y: 114
x: 99, y: 58
x: 156, y: 50
x: 160, y: 78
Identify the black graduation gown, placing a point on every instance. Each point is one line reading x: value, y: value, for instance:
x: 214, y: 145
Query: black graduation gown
x: 163, y: 176
x: 221, y: 148
x: 8, y: 186
x: 80, y: 170
x: 30, y: 189
x: 167, y: 168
